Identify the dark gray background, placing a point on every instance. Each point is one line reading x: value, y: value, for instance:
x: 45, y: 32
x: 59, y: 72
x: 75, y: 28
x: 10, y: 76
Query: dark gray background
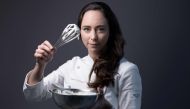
x: 156, y: 32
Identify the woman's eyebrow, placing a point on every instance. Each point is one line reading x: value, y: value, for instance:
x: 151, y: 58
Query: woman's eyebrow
x: 101, y: 26
x: 98, y: 26
x: 85, y: 26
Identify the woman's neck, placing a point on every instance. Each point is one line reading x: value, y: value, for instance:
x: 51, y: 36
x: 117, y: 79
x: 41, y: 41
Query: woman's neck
x: 94, y: 56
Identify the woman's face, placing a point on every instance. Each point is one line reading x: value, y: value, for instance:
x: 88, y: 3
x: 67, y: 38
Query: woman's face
x: 94, y: 31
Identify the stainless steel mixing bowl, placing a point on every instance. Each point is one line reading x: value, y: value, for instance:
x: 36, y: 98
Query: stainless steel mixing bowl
x: 74, y: 98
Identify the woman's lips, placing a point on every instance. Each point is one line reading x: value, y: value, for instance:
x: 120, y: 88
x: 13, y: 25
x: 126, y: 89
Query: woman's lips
x: 93, y: 45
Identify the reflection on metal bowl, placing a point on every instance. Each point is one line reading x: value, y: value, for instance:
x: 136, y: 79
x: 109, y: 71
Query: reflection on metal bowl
x: 74, y: 98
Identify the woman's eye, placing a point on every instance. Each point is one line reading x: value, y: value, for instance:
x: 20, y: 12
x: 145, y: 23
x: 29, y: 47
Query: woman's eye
x: 101, y: 29
x: 86, y: 29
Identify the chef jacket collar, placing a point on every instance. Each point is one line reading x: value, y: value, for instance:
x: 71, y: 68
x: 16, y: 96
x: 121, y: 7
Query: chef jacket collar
x: 90, y: 61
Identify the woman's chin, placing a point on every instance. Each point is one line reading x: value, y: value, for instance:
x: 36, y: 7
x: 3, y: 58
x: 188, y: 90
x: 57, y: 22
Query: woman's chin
x: 94, y: 51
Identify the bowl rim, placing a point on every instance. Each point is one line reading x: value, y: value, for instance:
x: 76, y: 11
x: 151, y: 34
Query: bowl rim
x: 55, y: 91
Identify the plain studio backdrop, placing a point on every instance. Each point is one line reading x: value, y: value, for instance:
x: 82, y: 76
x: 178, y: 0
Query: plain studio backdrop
x: 156, y: 31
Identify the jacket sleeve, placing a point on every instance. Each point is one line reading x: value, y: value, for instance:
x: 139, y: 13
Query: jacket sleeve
x: 41, y: 90
x: 36, y: 92
x: 130, y: 88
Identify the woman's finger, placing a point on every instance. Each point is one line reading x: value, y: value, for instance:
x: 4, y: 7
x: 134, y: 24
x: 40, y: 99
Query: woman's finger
x: 48, y: 44
x: 38, y: 55
x: 44, y: 47
x: 43, y: 52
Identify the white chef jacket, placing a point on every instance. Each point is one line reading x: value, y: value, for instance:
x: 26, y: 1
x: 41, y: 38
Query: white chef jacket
x: 125, y: 94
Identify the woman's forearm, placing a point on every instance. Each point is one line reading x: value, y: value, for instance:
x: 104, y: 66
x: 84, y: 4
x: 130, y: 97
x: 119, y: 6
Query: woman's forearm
x: 36, y: 74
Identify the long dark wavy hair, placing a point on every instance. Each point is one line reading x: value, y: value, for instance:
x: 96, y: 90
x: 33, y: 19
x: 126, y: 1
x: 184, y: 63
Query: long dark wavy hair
x: 105, y: 67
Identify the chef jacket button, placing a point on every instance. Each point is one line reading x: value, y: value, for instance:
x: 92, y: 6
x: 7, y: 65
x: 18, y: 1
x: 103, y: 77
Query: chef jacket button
x: 78, y: 67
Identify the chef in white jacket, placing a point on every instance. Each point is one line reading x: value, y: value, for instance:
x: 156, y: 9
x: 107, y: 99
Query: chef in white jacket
x: 104, y: 66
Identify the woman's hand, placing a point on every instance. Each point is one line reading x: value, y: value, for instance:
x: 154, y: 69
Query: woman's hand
x: 44, y: 53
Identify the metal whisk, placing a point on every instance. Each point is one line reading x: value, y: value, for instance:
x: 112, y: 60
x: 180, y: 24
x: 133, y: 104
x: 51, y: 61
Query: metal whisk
x: 70, y: 33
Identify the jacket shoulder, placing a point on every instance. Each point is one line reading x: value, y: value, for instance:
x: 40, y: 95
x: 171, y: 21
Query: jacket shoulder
x: 125, y: 66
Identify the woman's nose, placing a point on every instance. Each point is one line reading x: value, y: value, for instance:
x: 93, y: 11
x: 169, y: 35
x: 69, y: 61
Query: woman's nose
x: 93, y: 35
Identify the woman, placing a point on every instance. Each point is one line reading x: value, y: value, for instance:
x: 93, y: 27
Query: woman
x: 104, y: 68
